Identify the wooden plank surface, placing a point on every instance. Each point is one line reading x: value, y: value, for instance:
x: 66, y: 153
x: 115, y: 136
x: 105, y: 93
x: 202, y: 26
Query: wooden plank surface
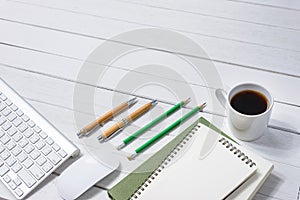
x: 43, y: 45
x: 234, y: 10
x: 267, y: 57
x: 187, y: 23
x: 285, y: 5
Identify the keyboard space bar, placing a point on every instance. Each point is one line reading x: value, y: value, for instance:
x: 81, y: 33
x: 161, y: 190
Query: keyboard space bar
x: 26, y: 178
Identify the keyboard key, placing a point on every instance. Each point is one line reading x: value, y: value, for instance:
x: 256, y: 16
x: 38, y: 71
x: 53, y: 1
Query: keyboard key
x: 43, y: 135
x: 1, y: 163
x: 2, y: 133
x: 10, y: 145
x: 16, y: 167
x: 35, y: 154
x: 47, y: 167
x: 41, y: 160
x: 19, y: 192
x: 36, y: 172
x: 4, y: 139
x: 49, y: 140
x: 2, y: 106
x: 2, y: 120
x: 25, y: 118
x: 17, y: 122
x: 54, y: 158
x: 62, y: 153
x: 12, y: 131
x: 31, y: 123
x: 8, y: 102
x: 40, y: 144
x: 28, y: 148
x: 12, y: 185
x: 3, y: 97
x: 10, y: 161
x: 17, y: 181
x: 26, y: 178
x: 34, y: 138
x: 27, y: 163
x: 19, y: 112
x: 6, y: 126
x: 37, y: 129
x: 22, y: 156
x: 56, y: 147
x: 5, y: 154
x: 22, y: 127
x: 7, y: 178
x: 6, y: 111
x: 3, y: 170
x: 46, y: 150
x: 14, y: 107
x: 23, y: 142
x: 11, y: 116
x: 28, y: 133
x: 1, y: 148
x: 17, y: 137
x: 16, y: 151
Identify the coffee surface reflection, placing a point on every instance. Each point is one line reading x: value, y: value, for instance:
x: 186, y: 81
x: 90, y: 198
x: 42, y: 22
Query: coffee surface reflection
x: 249, y: 102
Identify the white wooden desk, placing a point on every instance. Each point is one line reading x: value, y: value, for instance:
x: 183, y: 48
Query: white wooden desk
x: 43, y: 45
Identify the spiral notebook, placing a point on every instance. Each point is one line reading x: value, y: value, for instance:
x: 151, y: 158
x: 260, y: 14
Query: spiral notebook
x: 179, y: 171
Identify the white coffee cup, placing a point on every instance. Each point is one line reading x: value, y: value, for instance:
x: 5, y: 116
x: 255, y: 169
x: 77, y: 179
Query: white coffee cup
x: 246, y: 127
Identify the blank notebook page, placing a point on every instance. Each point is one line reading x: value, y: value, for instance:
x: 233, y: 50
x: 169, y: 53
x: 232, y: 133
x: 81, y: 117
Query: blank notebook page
x: 188, y: 176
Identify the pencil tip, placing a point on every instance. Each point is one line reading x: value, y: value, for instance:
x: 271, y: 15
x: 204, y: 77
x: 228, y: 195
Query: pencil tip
x: 202, y: 106
x: 188, y: 100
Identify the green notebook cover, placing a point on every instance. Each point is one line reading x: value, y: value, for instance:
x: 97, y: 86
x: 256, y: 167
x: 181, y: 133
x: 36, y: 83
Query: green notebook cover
x: 130, y: 184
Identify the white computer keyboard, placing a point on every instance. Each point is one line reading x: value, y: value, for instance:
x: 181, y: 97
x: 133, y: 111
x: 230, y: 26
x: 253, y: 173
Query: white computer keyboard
x: 30, y: 147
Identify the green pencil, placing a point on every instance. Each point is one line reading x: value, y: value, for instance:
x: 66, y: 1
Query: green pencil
x: 165, y: 131
x: 153, y: 123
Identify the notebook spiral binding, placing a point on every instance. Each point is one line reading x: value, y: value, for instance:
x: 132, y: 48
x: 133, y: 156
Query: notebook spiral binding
x: 165, y: 162
x: 178, y: 148
x: 237, y: 152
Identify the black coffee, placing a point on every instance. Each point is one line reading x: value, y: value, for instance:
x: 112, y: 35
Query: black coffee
x: 249, y: 102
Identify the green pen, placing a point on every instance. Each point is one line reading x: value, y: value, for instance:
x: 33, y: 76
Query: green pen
x: 165, y: 131
x: 153, y: 123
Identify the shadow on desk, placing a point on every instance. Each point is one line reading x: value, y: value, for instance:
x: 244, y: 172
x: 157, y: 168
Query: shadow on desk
x: 272, y: 184
x: 110, y: 178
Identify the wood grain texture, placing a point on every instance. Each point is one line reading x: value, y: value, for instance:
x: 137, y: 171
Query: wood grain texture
x: 285, y: 5
x: 185, y: 22
x: 233, y: 10
x: 59, y: 96
x: 238, y: 51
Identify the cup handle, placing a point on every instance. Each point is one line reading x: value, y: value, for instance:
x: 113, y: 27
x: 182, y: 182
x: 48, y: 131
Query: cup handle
x: 221, y: 96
